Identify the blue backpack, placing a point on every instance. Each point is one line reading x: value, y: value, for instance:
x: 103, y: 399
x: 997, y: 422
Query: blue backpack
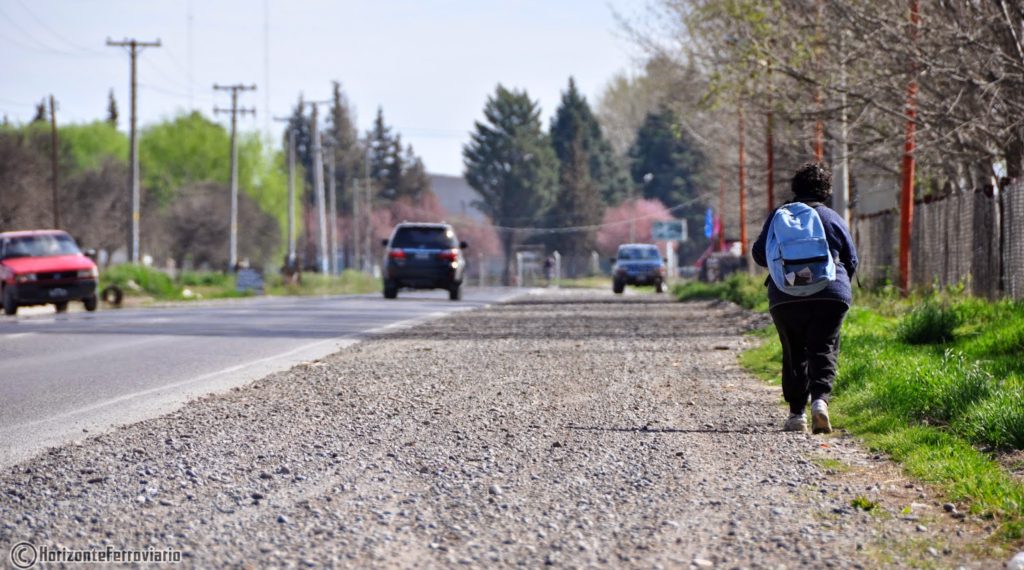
x: 799, y: 259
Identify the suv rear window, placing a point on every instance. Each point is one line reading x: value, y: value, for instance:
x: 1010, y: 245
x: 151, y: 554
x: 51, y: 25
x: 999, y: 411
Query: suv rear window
x: 424, y: 238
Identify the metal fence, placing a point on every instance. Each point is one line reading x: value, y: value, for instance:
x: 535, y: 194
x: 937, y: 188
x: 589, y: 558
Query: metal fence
x: 975, y: 239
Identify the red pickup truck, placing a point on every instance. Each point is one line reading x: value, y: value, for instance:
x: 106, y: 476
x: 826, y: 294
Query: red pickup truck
x: 42, y: 267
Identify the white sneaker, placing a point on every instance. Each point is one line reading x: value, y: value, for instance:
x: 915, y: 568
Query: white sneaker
x: 819, y: 417
x: 796, y: 422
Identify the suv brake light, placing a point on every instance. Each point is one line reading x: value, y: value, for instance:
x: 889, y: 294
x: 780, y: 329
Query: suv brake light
x: 396, y: 254
x: 449, y: 255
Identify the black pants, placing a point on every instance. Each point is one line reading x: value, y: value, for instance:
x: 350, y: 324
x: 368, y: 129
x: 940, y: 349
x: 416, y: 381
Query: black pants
x: 809, y: 331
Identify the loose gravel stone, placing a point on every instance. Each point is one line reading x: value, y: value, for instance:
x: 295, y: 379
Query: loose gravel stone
x: 575, y: 429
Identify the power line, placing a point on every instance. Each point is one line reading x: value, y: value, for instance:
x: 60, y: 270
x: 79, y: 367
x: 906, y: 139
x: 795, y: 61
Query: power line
x: 40, y: 45
x: 57, y: 35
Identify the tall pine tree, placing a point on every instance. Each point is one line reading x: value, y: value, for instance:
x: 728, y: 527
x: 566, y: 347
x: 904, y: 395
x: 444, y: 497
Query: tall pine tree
x: 348, y: 153
x: 578, y: 144
x: 668, y: 165
x: 510, y: 162
x: 112, y: 114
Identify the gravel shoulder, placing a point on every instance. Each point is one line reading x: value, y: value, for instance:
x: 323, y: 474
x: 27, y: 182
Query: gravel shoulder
x: 573, y: 428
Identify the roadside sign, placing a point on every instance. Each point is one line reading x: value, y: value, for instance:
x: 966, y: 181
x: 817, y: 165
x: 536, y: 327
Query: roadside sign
x: 670, y: 230
x: 249, y: 280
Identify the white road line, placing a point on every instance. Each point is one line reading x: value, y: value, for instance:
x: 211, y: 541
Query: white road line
x: 17, y: 335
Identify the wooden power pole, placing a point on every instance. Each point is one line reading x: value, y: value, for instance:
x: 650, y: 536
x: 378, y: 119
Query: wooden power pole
x: 134, y: 47
x: 907, y: 185
x: 234, y: 111
x: 55, y: 170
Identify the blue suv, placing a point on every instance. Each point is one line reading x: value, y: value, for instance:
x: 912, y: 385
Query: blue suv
x: 638, y: 264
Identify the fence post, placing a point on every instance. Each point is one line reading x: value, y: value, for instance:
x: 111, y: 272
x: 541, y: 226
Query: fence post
x: 558, y: 268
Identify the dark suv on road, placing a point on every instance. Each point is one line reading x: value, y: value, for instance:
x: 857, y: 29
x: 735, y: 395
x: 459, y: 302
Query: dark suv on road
x: 638, y: 264
x: 44, y: 267
x: 423, y: 256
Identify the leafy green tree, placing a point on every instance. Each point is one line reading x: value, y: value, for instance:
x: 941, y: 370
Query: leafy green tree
x: 191, y: 148
x: 510, y: 162
x: 91, y: 144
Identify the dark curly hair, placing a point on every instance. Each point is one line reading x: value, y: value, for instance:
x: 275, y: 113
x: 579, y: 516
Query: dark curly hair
x: 812, y: 180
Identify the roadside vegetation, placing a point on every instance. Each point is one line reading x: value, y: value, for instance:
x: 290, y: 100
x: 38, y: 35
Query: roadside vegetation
x: 141, y: 284
x: 935, y: 380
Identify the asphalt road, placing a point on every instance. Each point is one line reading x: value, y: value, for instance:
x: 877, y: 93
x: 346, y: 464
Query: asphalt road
x: 66, y: 376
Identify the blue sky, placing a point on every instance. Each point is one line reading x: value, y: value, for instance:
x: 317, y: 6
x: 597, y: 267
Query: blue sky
x: 430, y: 64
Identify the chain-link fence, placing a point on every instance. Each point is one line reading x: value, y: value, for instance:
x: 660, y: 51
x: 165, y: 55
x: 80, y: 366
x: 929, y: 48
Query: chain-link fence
x: 973, y: 239
x: 1012, y: 204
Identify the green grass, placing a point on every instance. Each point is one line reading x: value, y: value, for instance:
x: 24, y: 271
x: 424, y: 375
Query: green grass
x: 141, y: 281
x: 936, y: 383
x: 349, y: 282
x: 745, y: 290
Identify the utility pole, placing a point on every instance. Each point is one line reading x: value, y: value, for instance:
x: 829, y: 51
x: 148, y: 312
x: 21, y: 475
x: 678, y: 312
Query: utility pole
x: 53, y: 164
x: 355, y: 225
x: 332, y: 206
x: 907, y: 186
x: 842, y: 198
x: 291, y: 191
x: 819, y: 125
x: 134, y: 47
x: 368, y: 206
x: 743, y: 188
x: 233, y: 111
x: 318, y: 188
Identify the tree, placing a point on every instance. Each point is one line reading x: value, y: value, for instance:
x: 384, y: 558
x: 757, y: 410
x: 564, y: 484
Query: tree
x: 111, y: 109
x: 666, y: 163
x: 629, y: 221
x: 348, y: 153
x: 41, y: 114
x: 510, y: 162
x: 583, y: 156
x: 574, y: 116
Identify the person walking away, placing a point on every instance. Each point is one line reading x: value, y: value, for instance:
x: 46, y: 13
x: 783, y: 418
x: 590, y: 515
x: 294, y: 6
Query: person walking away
x: 811, y: 260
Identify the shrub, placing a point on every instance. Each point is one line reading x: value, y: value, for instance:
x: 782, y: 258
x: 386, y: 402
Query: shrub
x: 150, y: 281
x: 928, y: 323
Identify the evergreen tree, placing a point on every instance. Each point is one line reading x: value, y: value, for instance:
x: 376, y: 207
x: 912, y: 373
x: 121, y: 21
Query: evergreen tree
x: 112, y: 109
x: 577, y: 204
x: 667, y: 165
x: 510, y: 162
x: 575, y: 115
x: 576, y: 138
x: 302, y: 126
x: 380, y: 143
x: 414, y: 176
x: 348, y: 153
x: 41, y: 114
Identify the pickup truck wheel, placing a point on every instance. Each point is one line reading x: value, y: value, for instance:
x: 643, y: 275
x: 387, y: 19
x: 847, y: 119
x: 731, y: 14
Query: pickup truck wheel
x: 90, y: 303
x: 61, y: 306
x: 10, y: 305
